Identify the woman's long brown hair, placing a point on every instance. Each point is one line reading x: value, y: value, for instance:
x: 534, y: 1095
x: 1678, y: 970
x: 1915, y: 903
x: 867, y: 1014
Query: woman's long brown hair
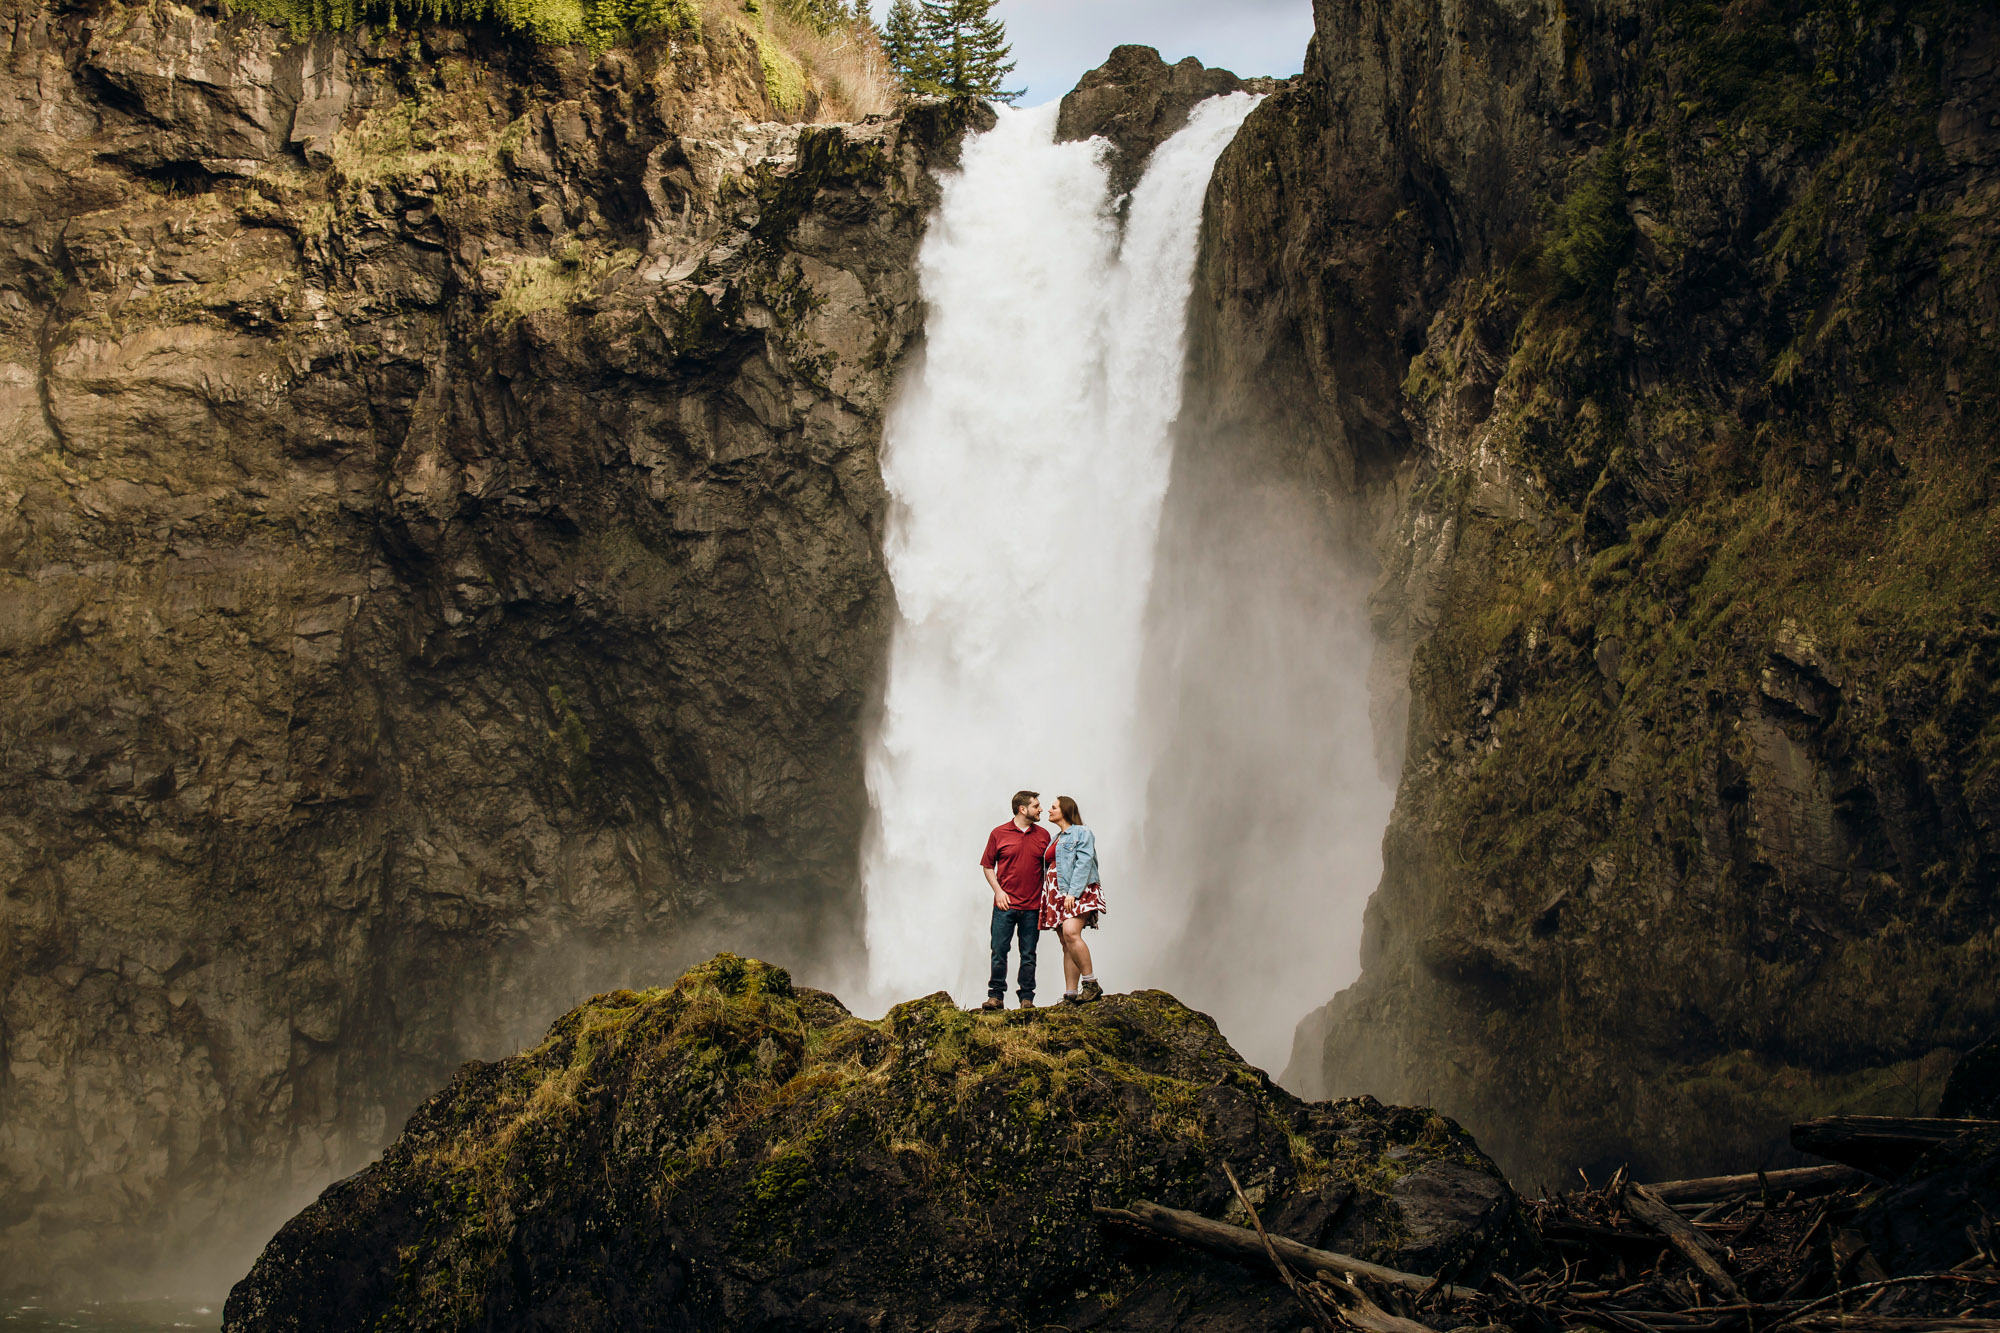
x: 1070, y: 812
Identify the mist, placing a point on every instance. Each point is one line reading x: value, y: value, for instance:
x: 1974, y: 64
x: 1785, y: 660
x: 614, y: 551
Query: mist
x: 1097, y: 604
x: 1269, y: 792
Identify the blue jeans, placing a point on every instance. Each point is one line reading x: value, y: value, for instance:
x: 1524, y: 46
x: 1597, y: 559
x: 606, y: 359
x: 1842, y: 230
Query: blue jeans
x: 1007, y: 923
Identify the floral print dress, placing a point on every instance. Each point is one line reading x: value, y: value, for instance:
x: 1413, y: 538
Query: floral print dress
x: 1089, y: 903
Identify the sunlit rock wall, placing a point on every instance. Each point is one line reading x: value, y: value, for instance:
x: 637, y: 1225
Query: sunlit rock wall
x: 440, y: 520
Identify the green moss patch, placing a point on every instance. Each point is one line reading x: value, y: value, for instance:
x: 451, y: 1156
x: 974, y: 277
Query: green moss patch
x: 555, y: 282
x: 600, y: 23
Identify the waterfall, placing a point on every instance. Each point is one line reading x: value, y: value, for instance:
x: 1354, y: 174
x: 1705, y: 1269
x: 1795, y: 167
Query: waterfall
x: 1026, y: 460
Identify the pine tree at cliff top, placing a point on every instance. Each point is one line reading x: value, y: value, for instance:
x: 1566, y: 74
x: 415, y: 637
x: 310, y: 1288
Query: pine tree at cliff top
x: 950, y: 47
x: 909, y: 54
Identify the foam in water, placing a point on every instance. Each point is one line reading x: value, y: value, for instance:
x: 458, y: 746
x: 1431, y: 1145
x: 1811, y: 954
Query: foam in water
x: 1026, y: 463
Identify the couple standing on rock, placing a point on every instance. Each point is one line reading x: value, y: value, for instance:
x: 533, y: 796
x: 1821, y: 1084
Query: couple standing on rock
x: 1043, y: 883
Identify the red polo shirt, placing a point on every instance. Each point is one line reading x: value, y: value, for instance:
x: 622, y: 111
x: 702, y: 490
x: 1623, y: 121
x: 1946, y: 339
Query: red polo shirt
x: 1016, y: 857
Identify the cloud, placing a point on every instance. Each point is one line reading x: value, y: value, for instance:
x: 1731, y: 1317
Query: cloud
x: 1056, y: 41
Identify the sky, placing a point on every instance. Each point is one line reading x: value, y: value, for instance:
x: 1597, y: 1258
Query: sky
x: 1055, y: 41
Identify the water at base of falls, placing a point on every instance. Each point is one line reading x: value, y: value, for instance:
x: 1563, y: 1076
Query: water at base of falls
x: 114, y: 1316
x: 1026, y: 461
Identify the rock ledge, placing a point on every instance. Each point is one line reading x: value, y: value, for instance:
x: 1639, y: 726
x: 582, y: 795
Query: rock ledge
x: 734, y: 1151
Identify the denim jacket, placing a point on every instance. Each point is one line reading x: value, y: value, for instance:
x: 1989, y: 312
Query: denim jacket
x: 1076, y: 860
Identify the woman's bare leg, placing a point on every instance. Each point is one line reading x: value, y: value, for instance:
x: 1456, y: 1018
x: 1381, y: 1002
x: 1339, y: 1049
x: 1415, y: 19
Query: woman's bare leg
x: 1072, y: 940
x: 1080, y: 951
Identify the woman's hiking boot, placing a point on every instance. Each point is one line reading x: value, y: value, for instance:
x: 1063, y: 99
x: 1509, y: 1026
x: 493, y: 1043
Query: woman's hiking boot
x: 993, y: 1002
x: 1091, y: 991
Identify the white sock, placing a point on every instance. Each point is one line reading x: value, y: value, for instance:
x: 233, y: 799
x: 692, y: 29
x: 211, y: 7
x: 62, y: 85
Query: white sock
x: 1091, y: 977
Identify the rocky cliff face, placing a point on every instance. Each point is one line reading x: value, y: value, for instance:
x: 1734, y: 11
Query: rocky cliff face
x: 439, y: 508
x: 737, y: 1153
x: 1136, y: 101
x: 1648, y: 348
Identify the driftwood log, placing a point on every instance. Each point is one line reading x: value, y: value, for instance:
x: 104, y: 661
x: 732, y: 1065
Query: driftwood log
x: 1758, y: 1252
x: 1883, y: 1145
x: 1331, y: 1306
x: 1647, y: 1207
x: 1799, y: 1180
x: 1306, y: 1298
x: 1889, y: 1323
x: 1242, y: 1243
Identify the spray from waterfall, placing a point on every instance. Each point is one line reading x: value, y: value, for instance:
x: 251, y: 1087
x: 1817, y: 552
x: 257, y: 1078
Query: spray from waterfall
x: 1027, y: 461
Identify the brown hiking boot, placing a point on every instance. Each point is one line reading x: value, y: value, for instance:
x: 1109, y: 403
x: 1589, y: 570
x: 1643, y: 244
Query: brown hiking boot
x: 1027, y: 1004
x: 1091, y: 991
x: 992, y: 1004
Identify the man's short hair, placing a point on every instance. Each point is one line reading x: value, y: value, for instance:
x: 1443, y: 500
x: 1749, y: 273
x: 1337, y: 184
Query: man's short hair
x: 1021, y: 799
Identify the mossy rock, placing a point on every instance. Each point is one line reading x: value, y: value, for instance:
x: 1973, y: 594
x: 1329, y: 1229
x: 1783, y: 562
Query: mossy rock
x: 737, y: 1152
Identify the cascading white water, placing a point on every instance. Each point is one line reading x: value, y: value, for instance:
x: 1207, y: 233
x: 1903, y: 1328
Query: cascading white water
x: 1026, y: 461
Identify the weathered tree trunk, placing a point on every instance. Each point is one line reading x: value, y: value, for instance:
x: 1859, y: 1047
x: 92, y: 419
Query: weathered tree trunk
x: 1239, y: 1242
x: 1882, y: 1145
x: 1649, y: 1208
x: 1798, y: 1180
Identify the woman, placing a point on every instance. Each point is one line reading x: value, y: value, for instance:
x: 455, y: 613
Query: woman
x: 1072, y: 898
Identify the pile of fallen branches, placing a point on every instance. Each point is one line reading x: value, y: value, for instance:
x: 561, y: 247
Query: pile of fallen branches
x: 1760, y: 1252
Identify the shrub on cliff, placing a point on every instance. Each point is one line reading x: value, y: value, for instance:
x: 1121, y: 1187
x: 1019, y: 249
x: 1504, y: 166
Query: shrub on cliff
x: 818, y: 58
x: 557, y: 22
x: 795, y: 38
x: 736, y: 1152
x: 1593, y: 232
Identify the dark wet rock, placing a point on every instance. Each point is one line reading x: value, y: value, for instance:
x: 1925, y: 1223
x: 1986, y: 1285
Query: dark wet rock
x: 1941, y: 1212
x: 1697, y: 823
x: 1138, y: 101
x: 1308, y: 1216
x: 1444, y: 1205
x: 736, y: 1152
x: 1973, y: 1090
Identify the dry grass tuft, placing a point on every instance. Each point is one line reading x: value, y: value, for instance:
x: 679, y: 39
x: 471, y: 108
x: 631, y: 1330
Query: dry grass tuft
x: 555, y: 283
x: 846, y: 66
x: 831, y: 77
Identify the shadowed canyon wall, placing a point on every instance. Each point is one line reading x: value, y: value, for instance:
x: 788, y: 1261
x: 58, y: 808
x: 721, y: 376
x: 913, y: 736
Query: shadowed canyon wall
x: 1647, y: 350
x: 441, y: 522
x: 441, y: 529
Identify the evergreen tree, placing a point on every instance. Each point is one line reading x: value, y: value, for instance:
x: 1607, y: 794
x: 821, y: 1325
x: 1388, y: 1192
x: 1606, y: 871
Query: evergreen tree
x: 952, y: 47
x: 910, y: 53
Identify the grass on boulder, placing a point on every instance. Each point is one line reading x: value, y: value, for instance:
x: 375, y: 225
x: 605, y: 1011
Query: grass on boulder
x: 735, y: 1138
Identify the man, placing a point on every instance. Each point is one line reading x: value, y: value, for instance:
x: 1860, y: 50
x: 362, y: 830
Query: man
x: 1013, y: 866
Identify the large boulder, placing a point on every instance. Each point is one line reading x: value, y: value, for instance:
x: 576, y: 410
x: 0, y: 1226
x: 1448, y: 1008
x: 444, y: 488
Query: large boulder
x: 736, y: 1152
x: 1973, y: 1090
